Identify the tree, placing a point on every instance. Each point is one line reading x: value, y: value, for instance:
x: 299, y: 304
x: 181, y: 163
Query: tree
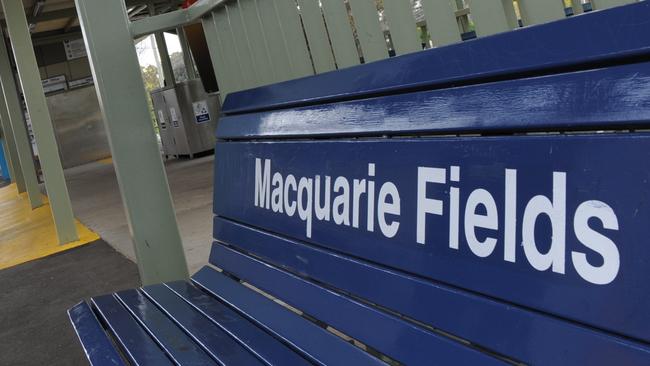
x: 151, y: 79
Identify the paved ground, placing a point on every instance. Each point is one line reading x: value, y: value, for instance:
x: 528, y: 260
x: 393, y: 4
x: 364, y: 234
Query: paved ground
x: 97, y: 203
x: 34, y: 328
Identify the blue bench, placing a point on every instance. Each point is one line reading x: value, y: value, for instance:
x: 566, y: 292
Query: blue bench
x: 485, y: 203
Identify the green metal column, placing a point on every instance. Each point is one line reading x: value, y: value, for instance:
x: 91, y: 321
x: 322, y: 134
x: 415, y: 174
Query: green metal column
x: 41, y: 122
x: 11, y: 153
x: 187, y: 53
x: 18, y: 126
x: 163, y: 52
x: 140, y: 171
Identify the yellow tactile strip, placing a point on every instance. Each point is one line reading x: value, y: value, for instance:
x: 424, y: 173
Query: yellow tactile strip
x: 27, y: 234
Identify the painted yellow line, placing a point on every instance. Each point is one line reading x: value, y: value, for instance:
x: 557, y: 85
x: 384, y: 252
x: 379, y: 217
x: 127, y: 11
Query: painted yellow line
x: 27, y: 234
x: 107, y: 161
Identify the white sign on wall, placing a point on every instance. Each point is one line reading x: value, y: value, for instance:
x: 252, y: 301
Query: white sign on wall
x: 74, y: 48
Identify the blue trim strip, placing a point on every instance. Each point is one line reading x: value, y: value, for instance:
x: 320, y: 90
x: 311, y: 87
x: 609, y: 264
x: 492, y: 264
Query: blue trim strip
x: 602, y: 36
x: 615, y: 97
x: 314, y: 342
x: 136, y: 343
x: 98, y: 348
x: 257, y: 341
x: 396, y: 338
x: 173, y: 340
x: 210, y: 337
x: 501, y: 327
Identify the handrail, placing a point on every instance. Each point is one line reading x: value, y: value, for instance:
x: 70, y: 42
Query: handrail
x: 173, y: 19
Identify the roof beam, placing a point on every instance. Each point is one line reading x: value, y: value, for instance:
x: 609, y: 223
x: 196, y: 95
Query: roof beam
x: 53, y: 15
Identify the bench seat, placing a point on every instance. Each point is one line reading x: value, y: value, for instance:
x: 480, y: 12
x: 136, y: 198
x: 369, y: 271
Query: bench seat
x: 486, y: 205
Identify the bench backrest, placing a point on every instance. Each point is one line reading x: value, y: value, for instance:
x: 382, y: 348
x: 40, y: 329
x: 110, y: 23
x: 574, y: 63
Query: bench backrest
x: 414, y: 205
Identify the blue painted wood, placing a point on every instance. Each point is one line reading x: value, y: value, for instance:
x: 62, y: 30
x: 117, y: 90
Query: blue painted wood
x: 180, y: 348
x: 97, y: 347
x: 603, y: 36
x: 135, y: 342
x: 315, y: 343
x: 603, y: 169
x: 396, y: 338
x: 210, y: 337
x: 501, y: 327
x: 257, y: 341
x: 615, y: 97
x: 4, y: 168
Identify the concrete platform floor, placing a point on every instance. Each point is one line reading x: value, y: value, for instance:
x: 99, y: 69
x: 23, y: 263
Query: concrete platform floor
x: 34, y: 325
x: 97, y: 203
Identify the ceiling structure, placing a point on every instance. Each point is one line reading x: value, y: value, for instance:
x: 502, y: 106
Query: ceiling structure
x: 58, y: 18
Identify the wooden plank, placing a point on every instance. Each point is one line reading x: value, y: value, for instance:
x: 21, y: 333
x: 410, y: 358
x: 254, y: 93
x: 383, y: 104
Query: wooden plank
x: 242, y: 50
x: 604, y: 4
x: 224, y: 78
x: 178, y: 345
x: 293, y: 35
x: 397, y: 339
x: 268, y: 348
x: 603, y: 173
x: 502, y: 328
x: 541, y: 11
x: 403, y: 31
x: 371, y: 37
x: 138, y: 346
x: 340, y: 32
x: 97, y: 346
x: 441, y: 21
x: 276, y: 46
x: 257, y: 42
x: 492, y: 16
x: 319, y: 45
x: 312, y: 341
x: 212, y: 339
x: 565, y: 108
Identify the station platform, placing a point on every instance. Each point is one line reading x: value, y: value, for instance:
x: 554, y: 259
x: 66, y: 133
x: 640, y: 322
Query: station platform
x: 41, y: 279
x: 27, y: 234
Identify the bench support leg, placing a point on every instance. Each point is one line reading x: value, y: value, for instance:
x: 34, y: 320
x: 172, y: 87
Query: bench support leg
x: 138, y: 164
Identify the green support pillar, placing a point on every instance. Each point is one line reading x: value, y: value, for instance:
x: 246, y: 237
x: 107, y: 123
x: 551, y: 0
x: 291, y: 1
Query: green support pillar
x: 138, y: 164
x: 163, y: 52
x: 11, y: 153
x: 187, y: 53
x: 41, y: 122
x: 11, y: 105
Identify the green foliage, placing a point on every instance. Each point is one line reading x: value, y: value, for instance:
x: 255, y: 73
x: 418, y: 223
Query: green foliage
x: 151, y: 79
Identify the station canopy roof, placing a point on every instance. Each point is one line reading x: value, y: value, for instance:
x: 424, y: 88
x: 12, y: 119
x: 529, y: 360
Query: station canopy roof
x: 58, y: 18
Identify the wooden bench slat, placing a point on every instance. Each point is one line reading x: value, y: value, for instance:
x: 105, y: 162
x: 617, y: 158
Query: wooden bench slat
x: 501, y: 327
x: 173, y: 340
x: 315, y: 343
x: 602, y: 168
x: 94, y: 340
x: 246, y: 333
x: 405, y: 342
x: 137, y: 344
x: 598, y: 36
x: 217, y: 343
x: 608, y: 98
